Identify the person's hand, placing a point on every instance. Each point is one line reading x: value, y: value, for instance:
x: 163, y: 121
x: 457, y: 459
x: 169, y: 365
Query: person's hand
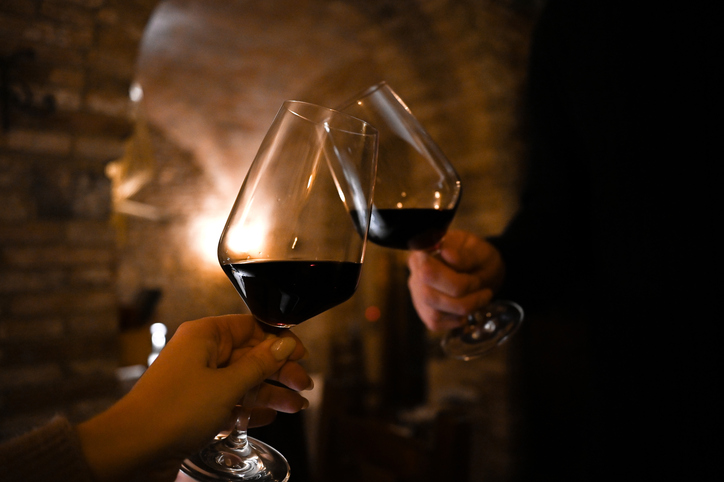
x: 462, y: 278
x: 189, y: 394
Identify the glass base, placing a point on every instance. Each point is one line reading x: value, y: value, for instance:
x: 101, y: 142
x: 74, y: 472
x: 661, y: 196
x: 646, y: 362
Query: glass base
x: 221, y: 463
x: 484, y: 330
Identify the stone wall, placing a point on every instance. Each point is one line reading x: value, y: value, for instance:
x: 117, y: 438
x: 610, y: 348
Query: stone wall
x: 67, y: 66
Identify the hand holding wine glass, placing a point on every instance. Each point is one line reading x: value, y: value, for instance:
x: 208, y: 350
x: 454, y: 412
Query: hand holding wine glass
x: 188, y: 392
x: 293, y: 248
x: 459, y: 279
x: 416, y: 195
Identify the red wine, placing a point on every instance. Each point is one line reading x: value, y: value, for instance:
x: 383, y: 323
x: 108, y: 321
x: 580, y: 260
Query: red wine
x: 409, y: 228
x: 286, y: 293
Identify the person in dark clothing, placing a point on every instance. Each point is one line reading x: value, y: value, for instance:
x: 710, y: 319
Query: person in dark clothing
x: 614, y: 252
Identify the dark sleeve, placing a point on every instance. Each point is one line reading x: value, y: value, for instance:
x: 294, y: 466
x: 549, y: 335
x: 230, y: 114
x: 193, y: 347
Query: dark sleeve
x: 47, y: 454
x: 544, y: 245
x: 617, y: 95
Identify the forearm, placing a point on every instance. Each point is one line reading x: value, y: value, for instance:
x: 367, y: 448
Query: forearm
x: 48, y: 454
x: 127, y: 440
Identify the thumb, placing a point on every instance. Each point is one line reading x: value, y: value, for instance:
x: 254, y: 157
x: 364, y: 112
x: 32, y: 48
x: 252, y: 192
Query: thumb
x: 465, y: 252
x: 260, y: 362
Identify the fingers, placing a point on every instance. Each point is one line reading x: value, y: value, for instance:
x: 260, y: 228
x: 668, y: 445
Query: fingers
x: 261, y: 416
x: 462, y: 250
x: 250, y: 367
x: 272, y: 359
x: 248, y: 356
x: 231, y: 333
x: 291, y: 374
x: 294, y: 376
x: 280, y: 399
x: 436, y: 320
x: 439, y: 311
x: 444, y: 296
x: 224, y: 334
x: 432, y: 272
x: 269, y: 400
x: 466, y: 253
x: 299, y: 352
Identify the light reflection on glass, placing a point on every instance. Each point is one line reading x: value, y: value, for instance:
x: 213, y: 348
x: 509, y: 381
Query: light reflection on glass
x: 247, y: 239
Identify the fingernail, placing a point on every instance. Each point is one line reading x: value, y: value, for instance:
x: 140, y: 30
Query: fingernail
x: 283, y: 347
x: 305, y: 404
x: 311, y: 384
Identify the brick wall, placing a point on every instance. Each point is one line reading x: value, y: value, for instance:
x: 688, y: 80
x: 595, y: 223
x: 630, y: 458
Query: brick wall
x: 58, y: 303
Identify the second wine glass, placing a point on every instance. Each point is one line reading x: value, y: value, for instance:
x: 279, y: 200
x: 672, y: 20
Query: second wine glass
x: 293, y: 247
x: 416, y: 196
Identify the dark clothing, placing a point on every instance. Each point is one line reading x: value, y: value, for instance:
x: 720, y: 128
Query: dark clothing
x: 613, y: 251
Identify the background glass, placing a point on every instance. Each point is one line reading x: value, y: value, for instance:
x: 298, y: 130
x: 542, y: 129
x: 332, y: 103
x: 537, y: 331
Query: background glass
x: 416, y: 195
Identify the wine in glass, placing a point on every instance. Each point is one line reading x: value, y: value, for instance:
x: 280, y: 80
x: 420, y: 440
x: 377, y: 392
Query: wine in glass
x: 293, y: 247
x: 416, y: 195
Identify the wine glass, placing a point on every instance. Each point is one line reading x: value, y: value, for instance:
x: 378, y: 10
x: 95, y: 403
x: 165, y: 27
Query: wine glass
x: 416, y: 195
x: 293, y: 247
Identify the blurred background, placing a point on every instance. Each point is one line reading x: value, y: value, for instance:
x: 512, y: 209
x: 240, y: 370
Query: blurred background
x: 127, y: 129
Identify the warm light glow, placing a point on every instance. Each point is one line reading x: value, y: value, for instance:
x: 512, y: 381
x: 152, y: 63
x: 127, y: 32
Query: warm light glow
x: 372, y: 313
x: 204, y: 233
x: 243, y: 241
x: 158, y: 340
x: 158, y: 335
x: 136, y: 92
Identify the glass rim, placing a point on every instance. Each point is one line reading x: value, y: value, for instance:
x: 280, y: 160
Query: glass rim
x: 369, y: 91
x: 368, y: 129
x: 372, y: 89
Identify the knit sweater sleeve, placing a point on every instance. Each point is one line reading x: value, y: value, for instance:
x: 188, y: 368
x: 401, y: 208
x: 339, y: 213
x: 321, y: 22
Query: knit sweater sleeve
x: 49, y: 453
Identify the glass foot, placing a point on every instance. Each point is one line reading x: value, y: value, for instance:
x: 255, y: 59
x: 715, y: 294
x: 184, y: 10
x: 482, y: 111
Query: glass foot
x: 219, y: 462
x: 484, y: 330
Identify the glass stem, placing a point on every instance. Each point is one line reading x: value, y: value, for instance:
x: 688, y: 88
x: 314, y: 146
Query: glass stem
x: 238, y: 438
